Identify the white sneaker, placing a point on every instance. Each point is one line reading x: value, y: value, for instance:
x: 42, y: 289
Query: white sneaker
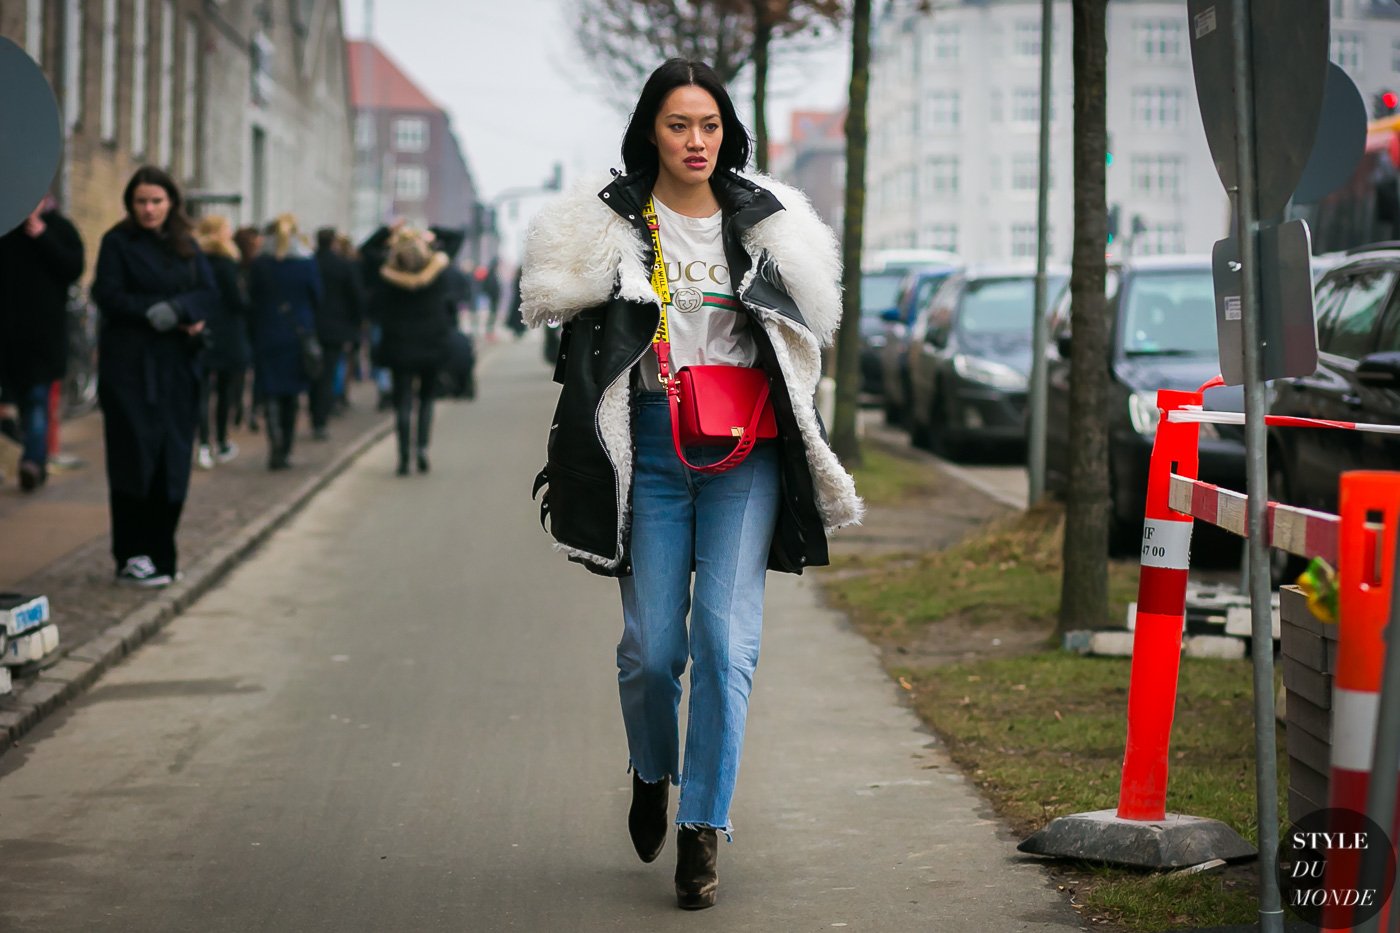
x: 140, y: 571
x: 206, y: 457
x: 227, y: 452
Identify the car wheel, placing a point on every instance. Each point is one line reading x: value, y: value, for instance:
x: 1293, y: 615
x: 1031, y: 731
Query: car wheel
x: 919, y: 431
x: 894, y: 414
x: 1284, y: 567
x: 947, y: 441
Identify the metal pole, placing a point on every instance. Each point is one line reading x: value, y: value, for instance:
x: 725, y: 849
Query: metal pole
x: 1380, y: 793
x: 1035, y: 454
x: 1256, y: 476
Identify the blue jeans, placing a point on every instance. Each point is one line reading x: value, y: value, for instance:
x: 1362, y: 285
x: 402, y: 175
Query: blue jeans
x: 34, y: 422
x: 722, y: 527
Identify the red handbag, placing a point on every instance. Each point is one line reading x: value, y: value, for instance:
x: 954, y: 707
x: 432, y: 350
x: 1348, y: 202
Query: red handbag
x: 711, y: 406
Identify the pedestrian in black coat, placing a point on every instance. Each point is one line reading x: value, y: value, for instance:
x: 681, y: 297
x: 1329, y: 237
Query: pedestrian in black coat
x: 39, y: 260
x: 285, y: 291
x: 413, y: 305
x: 338, y: 321
x: 226, y: 354
x: 154, y: 289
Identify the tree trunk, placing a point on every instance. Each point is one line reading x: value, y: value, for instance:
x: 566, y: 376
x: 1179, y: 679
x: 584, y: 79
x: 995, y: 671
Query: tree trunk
x: 1084, y: 595
x: 844, y: 440
x: 762, y: 37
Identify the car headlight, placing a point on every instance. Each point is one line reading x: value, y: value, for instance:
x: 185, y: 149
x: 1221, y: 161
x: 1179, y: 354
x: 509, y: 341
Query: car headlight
x: 875, y: 340
x: 1143, y: 411
x: 996, y: 375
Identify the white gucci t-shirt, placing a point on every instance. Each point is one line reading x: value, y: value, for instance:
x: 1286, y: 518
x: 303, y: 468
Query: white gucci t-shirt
x: 707, y: 328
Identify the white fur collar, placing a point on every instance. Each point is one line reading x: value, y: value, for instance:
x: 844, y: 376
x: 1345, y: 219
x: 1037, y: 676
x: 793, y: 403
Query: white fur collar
x: 578, y: 252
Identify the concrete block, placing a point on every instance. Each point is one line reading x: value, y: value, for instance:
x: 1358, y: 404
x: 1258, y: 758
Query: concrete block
x: 6, y: 682
x: 1300, y: 806
x: 1306, y: 716
x: 1306, y: 647
x: 20, y: 613
x: 1307, y: 781
x: 1308, y: 750
x: 43, y: 695
x: 71, y: 671
x: 1220, y: 647
x: 1239, y: 621
x: 1113, y: 643
x: 1078, y: 641
x: 1132, y: 617
x: 1178, y: 841
x: 1314, y: 686
x: 31, y: 647
x: 1293, y: 606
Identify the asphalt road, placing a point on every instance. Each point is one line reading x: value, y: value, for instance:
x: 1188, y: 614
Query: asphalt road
x: 400, y: 715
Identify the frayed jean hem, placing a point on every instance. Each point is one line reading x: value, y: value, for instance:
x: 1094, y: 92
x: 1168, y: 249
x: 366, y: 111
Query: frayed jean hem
x: 632, y: 769
x: 727, y: 829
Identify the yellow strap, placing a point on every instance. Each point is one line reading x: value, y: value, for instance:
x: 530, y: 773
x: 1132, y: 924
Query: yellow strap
x: 658, y: 271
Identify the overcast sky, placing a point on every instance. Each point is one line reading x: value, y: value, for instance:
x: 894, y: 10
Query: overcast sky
x: 517, y: 89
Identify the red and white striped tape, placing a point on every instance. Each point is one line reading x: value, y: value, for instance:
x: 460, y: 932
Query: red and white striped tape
x: 1279, y: 421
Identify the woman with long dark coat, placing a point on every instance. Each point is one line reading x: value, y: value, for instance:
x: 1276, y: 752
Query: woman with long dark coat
x: 285, y: 289
x: 154, y: 289
x: 414, y: 305
x: 226, y: 341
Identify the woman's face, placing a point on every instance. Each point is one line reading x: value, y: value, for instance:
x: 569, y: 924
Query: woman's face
x: 151, y: 205
x: 688, y: 133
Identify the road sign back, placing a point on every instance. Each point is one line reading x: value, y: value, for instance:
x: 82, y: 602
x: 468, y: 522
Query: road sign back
x: 1288, y: 331
x: 31, y: 142
x: 1341, y: 139
x: 1289, y: 39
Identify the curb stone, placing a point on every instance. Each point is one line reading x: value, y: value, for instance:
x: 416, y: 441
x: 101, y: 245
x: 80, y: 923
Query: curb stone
x: 21, y: 711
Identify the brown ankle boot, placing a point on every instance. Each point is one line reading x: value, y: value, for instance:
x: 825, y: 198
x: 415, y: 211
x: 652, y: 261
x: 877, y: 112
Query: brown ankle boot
x: 697, y: 878
x: 646, y: 821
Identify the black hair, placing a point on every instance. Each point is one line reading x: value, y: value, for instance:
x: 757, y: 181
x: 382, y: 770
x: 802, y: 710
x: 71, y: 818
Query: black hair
x: 325, y: 238
x: 178, y: 228
x: 639, y: 152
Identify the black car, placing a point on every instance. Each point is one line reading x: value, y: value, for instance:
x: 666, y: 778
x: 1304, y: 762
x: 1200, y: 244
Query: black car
x: 882, y: 273
x: 1162, y: 336
x: 970, y: 357
x: 1357, y: 379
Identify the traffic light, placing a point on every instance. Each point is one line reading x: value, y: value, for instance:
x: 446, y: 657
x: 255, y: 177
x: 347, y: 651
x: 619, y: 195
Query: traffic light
x: 1385, y: 104
x: 1114, y: 213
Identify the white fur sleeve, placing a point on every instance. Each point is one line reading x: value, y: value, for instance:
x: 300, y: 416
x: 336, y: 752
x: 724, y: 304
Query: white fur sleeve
x: 808, y: 258
x: 573, y: 249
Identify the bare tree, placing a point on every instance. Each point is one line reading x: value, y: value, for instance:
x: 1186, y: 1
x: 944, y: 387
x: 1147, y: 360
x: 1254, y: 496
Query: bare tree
x: 626, y: 39
x: 844, y: 440
x: 1084, y: 594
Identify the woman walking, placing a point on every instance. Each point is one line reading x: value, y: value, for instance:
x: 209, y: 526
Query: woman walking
x: 154, y: 289
x: 746, y: 277
x: 285, y: 289
x: 225, y: 340
x: 413, y: 305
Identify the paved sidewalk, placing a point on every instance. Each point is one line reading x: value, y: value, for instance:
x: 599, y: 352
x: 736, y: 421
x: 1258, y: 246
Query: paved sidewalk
x: 56, y: 542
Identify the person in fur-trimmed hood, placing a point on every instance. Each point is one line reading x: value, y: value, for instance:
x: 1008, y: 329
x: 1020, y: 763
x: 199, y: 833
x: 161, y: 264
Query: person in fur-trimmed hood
x: 413, y: 305
x: 752, y: 275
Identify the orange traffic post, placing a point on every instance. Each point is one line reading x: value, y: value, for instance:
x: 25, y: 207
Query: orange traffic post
x: 1363, y: 603
x: 1161, y: 616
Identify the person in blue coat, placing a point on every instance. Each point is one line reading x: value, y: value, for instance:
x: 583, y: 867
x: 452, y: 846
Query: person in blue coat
x: 284, y: 287
x: 153, y: 289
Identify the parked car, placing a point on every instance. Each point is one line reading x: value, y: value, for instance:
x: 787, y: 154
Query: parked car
x: 915, y: 291
x: 1357, y: 379
x: 881, y: 274
x: 970, y: 358
x: 1161, y: 314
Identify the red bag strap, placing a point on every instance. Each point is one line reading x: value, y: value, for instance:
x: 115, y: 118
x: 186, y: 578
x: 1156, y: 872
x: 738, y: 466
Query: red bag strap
x: 746, y: 440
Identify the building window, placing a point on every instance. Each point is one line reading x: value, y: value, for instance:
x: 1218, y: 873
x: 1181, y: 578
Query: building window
x: 939, y: 236
x: 1346, y: 51
x: 364, y: 132
x: 994, y: 105
x: 1159, y: 239
x: 166, y: 116
x: 994, y: 173
x: 1157, y: 176
x: 34, y: 29
x: 1025, y: 41
x: 1158, y: 40
x: 1024, y: 239
x: 1025, y: 105
x: 411, y: 134
x: 140, y: 76
x: 72, y: 62
x: 190, y: 77
x: 1157, y: 108
x: 941, y: 178
x: 1025, y: 172
x: 947, y: 43
x: 1395, y: 55
x: 944, y: 110
x: 410, y: 183
x: 107, y: 117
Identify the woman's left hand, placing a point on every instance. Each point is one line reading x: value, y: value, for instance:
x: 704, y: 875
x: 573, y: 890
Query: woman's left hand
x: 194, y: 329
